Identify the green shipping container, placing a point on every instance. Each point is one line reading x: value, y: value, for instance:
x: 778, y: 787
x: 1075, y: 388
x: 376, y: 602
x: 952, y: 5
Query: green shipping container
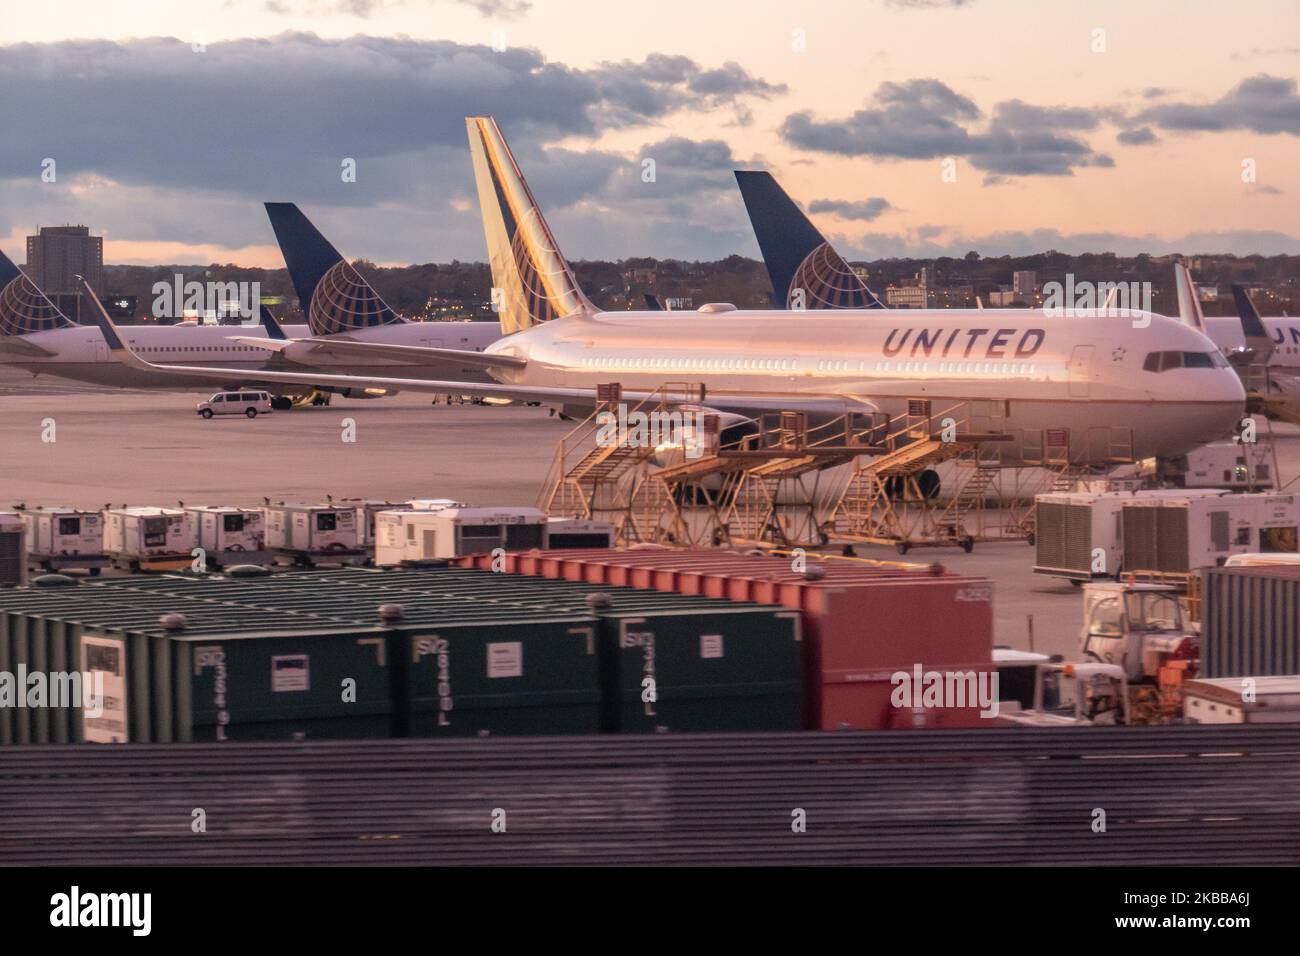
x: 500, y: 674
x: 691, y: 668
x: 275, y: 685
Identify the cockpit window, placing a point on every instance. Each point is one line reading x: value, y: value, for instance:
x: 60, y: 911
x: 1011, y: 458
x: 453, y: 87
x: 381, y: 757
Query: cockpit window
x: 1164, y: 361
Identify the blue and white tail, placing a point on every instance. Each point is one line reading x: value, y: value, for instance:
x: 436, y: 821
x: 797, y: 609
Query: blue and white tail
x: 531, y: 281
x: 24, y: 308
x: 333, y: 295
x: 806, y: 272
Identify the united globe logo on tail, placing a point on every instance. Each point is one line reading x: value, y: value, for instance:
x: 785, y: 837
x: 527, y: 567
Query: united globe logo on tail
x: 24, y: 308
x: 825, y: 281
x: 344, y: 301
x: 531, y: 281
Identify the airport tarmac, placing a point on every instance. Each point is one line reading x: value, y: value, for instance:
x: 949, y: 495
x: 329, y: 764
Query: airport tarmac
x: 152, y: 448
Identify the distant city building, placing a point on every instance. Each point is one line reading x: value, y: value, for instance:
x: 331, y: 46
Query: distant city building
x: 952, y: 297
x: 1208, y: 293
x: 912, y: 294
x: 907, y: 297
x: 1002, y: 298
x: 57, y: 256
x: 1024, y: 284
x: 61, y: 253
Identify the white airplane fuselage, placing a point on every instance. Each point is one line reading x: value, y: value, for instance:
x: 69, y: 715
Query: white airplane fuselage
x: 1225, y: 331
x: 81, y: 353
x: 1028, y: 371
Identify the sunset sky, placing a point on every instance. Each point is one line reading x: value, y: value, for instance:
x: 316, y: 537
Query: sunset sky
x: 1105, y: 126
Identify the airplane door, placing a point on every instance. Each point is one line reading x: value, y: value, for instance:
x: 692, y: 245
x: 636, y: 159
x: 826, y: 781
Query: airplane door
x: 1080, y: 370
x: 101, y: 351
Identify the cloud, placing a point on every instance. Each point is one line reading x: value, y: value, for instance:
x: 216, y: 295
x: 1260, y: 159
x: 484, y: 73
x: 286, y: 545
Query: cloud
x: 864, y: 210
x: 933, y: 241
x: 504, y: 9
x: 918, y: 119
x: 1266, y: 51
x: 927, y: 119
x: 1141, y: 136
x: 926, y: 4
x: 220, y: 131
x: 1262, y: 104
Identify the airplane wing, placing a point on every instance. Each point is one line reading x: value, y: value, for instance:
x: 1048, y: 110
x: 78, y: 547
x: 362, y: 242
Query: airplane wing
x: 17, y: 345
x: 331, y: 347
x: 738, y: 402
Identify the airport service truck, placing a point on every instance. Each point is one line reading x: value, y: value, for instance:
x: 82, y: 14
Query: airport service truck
x: 1136, y: 655
x: 229, y: 535
x: 62, y: 537
x: 153, y: 538
x: 13, y: 549
x: 308, y: 533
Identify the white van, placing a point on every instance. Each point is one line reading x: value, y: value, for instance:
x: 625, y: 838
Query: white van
x: 251, y: 404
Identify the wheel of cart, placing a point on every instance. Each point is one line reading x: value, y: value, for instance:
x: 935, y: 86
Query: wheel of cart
x: 968, y: 544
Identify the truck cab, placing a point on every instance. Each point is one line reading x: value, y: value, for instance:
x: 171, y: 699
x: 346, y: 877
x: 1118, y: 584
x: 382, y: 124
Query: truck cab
x: 1138, y: 627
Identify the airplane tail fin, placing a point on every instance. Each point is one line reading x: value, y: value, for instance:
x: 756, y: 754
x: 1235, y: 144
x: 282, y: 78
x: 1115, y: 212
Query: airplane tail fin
x: 24, y: 308
x: 273, y: 328
x: 531, y: 280
x: 799, y: 260
x: 1189, y: 303
x: 1252, y: 326
x: 333, y: 295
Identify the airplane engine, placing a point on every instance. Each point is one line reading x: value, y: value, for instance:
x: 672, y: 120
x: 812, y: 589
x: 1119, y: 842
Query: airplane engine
x: 683, y: 437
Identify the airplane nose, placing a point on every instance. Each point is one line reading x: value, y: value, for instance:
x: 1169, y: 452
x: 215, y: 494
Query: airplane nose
x: 1230, y: 397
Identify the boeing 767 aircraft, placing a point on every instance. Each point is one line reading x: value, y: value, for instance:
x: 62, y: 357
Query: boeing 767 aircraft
x: 1091, y: 381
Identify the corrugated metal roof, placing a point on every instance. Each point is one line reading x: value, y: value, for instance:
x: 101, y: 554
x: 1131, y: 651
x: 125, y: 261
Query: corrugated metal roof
x: 1175, y: 795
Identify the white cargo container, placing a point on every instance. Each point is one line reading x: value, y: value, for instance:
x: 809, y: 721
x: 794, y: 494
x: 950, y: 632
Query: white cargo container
x: 455, y: 532
x: 1077, y: 534
x: 1242, y: 700
x: 63, y: 537
x: 134, y: 536
x: 13, y: 549
x: 1238, y: 466
x: 578, y: 533
x: 1180, y: 532
x: 366, y: 511
x: 229, y: 535
x: 314, y: 531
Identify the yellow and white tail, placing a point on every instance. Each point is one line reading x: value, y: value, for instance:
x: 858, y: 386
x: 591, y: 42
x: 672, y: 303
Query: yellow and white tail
x: 531, y: 281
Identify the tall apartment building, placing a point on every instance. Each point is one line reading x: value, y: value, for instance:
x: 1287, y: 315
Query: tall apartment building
x: 60, y: 253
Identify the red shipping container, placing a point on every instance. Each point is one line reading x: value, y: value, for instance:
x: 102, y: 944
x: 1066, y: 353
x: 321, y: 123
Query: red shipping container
x: 854, y: 634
